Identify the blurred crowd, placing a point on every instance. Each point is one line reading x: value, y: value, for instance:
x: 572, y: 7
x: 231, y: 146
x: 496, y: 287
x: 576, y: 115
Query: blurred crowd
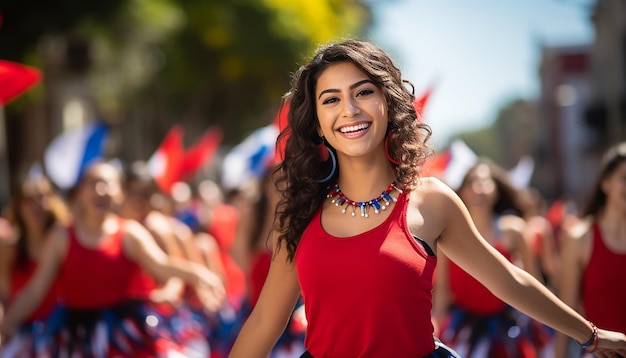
x: 115, y: 266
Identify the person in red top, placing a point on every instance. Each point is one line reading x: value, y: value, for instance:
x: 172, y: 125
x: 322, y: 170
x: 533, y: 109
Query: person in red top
x: 351, y: 203
x: 34, y: 209
x: 172, y: 299
x: 95, y: 262
x: 462, y: 303
x: 253, y: 250
x: 593, y: 252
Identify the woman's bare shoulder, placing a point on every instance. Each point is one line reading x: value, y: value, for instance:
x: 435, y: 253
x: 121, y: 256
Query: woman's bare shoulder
x: 512, y: 223
x: 432, y: 191
x: 577, y: 230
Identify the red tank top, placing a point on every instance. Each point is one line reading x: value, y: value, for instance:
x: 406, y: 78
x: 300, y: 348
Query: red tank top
x: 368, y: 295
x: 471, y: 295
x: 259, y: 267
x: 19, y: 279
x: 605, y: 272
x: 96, y: 278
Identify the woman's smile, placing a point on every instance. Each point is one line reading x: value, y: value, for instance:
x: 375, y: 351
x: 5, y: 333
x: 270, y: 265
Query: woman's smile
x: 355, y: 130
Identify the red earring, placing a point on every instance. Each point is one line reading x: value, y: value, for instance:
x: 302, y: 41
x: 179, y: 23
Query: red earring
x: 394, y: 161
x: 323, y: 151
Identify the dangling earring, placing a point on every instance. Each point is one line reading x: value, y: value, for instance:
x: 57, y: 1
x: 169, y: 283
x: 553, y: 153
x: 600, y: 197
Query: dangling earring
x: 394, y: 161
x: 325, y: 153
x: 323, y: 150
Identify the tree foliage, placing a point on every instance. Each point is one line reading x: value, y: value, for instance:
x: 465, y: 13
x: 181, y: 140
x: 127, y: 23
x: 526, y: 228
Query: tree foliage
x: 195, y: 62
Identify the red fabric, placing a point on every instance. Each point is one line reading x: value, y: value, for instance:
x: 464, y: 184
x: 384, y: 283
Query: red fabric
x: 436, y: 165
x: 19, y: 279
x: 235, y: 279
x: 15, y: 79
x: 420, y: 103
x: 165, y: 164
x: 201, y: 153
x: 470, y: 295
x: 281, y: 122
x: 223, y: 225
x: 368, y: 295
x: 141, y: 285
x: 258, y: 273
x: 96, y: 278
x: 603, y: 288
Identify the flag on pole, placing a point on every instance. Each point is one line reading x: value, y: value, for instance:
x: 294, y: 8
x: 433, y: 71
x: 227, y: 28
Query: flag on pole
x: 16, y: 79
x: 69, y: 154
x: 451, y: 165
x: 280, y: 122
x: 251, y: 158
x: 201, y: 153
x: 522, y: 173
x: 166, y: 162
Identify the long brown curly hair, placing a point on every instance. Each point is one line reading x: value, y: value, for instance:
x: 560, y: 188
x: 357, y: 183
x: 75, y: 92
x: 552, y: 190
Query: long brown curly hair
x: 298, y: 175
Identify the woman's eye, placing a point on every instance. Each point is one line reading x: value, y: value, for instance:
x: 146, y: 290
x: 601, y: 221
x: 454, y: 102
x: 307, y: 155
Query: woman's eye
x: 365, y: 92
x: 330, y: 100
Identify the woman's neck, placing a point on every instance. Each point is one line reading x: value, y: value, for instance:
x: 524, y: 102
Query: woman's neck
x: 362, y: 180
x: 34, y: 235
x: 93, y: 223
x: 613, y: 223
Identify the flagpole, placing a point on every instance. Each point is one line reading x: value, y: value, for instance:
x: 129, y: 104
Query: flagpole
x: 4, y: 162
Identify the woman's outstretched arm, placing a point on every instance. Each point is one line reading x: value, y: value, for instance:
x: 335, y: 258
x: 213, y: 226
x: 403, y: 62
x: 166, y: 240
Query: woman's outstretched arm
x: 462, y: 243
x: 272, y: 311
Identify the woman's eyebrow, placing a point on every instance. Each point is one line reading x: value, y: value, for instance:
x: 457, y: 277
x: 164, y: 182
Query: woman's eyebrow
x: 353, y: 86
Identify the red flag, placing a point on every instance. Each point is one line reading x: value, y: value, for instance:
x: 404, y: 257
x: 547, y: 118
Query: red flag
x: 281, y: 123
x: 420, y: 102
x: 201, y: 153
x: 16, y: 79
x: 436, y: 166
x: 166, y: 162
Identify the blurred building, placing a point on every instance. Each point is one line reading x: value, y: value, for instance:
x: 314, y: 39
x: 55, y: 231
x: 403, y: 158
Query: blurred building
x: 606, y: 112
x: 582, y: 105
x: 566, y: 143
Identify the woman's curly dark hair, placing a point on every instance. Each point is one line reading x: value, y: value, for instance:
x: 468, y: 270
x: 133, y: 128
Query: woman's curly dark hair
x: 299, y: 173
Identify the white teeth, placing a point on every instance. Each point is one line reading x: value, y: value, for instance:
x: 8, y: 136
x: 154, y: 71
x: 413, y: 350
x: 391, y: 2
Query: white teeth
x: 354, y: 128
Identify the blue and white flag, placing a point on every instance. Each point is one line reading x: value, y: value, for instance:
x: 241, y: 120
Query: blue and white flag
x: 69, y: 154
x: 250, y: 159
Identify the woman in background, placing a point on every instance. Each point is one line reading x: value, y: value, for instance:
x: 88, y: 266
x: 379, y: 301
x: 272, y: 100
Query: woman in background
x: 594, y: 253
x: 96, y: 262
x: 474, y: 321
x: 34, y: 209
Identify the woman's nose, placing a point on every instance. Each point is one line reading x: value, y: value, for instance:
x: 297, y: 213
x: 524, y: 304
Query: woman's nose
x: 350, y: 107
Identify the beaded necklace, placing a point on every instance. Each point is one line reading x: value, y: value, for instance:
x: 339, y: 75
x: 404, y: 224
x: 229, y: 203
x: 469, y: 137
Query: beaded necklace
x: 379, y: 203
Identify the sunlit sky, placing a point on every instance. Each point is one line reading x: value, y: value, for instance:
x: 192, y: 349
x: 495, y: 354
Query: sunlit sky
x: 477, y: 54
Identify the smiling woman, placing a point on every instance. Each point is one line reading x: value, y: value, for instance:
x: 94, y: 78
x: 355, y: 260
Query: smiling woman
x: 367, y: 281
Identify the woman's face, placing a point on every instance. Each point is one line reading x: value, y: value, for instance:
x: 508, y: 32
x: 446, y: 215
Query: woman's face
x: 137, y: 199
x: 351, y: 110
x: 479, y: 188
x: 100, y: 189
x: 34, y: 206
x: 614, y: 186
